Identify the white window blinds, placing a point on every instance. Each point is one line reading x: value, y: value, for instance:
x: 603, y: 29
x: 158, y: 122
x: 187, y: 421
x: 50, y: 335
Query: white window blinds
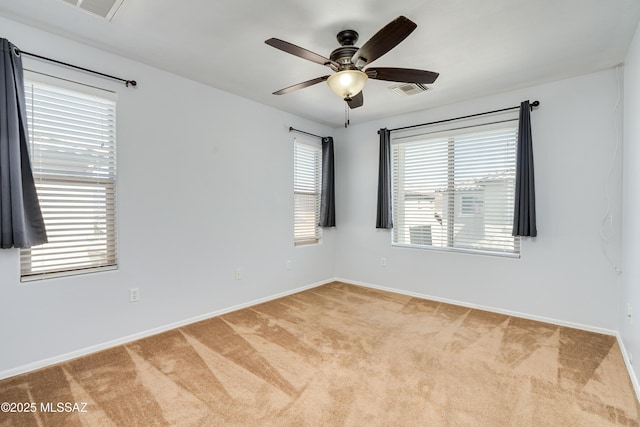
x: 73, y: 157
x: 455, y: 189
x: 307, y: 159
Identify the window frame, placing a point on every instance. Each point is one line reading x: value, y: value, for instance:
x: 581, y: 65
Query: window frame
x: 451, y: 204
x: 301, y: 188
x: 99, y: 188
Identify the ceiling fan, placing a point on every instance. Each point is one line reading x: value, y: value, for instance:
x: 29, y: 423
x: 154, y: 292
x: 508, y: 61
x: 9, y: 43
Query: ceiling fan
x: 348, y: 62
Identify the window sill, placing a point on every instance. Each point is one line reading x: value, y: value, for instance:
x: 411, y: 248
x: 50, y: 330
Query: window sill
x: 35, y: 277
x: 459, y: 250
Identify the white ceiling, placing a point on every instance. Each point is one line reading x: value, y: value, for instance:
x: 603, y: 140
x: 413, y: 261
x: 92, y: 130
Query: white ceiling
x: 478, y: 47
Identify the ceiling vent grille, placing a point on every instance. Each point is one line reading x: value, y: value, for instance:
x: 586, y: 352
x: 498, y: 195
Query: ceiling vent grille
x: 408, y: 89
x: 103, y: 8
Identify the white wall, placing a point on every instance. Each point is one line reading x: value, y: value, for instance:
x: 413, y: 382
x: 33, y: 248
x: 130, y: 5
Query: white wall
x: 205, y: 187
x: 631, y: 206
x: 562, y: 274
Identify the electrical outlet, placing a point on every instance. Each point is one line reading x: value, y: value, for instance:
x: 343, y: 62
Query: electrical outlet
x: 289, y: 264
x: 134, y: 294
x: 238, y: 274
x: 383, y: 262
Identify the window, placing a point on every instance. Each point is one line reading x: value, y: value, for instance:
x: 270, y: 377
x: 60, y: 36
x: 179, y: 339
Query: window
x: 307, y: 159
x: 455, y: 189
x: 72, y: 149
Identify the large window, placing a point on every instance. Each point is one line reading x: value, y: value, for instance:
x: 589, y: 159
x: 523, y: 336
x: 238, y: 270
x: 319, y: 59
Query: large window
x: 72, y: 150
x: 307, y: 161
x: 455, y: 189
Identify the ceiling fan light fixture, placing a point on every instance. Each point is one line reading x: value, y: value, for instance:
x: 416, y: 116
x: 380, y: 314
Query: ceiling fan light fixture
x: 347, y: 83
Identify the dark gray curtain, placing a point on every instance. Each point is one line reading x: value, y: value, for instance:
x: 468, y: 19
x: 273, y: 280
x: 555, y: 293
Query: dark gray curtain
x: 524, y: 213
x: 21, y: 223
x: 383, y: 219
x: 328, y: 195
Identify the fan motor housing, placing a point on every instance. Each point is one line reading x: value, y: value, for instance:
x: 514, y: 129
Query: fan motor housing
x: 343, y: 55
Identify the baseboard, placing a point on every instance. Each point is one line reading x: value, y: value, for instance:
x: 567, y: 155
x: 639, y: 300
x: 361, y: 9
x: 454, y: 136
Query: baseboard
x: 124, y: 340
x: 485, y: 308
x: 627, y: 362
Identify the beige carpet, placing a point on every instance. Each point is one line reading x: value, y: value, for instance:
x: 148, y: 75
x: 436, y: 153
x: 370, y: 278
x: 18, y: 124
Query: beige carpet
x: 340, y: 355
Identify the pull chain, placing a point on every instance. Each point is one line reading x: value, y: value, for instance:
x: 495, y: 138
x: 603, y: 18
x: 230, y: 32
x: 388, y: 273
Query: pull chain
x: 346, y: 114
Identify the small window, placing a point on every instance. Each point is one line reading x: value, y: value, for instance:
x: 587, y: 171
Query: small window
x: 73, y: 157
x: 307, y: 159
x: 455, y: 189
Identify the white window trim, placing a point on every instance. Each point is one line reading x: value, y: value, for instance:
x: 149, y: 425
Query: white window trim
x: 317, y: 147
x: 496, y: 121
x: 103, y: 95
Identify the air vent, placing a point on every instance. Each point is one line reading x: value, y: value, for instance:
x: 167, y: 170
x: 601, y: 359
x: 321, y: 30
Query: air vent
x: 408, y: 89
x: 103, y: 8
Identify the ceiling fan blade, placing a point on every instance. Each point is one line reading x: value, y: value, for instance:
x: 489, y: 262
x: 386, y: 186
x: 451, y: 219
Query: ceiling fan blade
x: 301, y: 52
x: 404, y: 75
x: 301, y: 85
x: 383, y: 41
x: 356, y: 101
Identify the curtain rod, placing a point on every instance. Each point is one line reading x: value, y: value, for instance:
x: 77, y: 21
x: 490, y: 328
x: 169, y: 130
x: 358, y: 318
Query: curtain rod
x: 126, y: 82
x: 291, y: 129
x: 533, y: 104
